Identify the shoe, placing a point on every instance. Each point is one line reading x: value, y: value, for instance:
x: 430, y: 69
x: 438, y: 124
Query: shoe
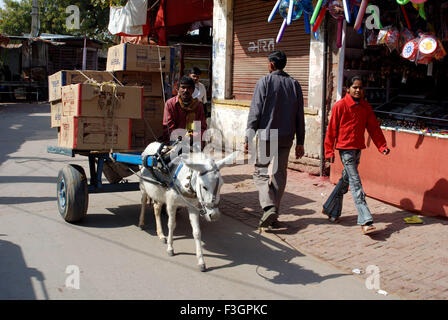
x: 367, y: 229
x: 323, y: 211
x: 268, y: 217
x: 334, y: 219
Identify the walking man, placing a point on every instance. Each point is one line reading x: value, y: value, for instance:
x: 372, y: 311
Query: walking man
x: 350, y: 117
x: 276, y: 114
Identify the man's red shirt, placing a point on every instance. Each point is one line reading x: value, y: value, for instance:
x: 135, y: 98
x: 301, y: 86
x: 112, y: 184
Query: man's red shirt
x: 348, y: 122
x: 174, y: 117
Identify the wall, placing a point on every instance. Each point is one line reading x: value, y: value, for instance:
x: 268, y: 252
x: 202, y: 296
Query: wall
x: 222, y: 48
x: 413, y: 176
x: 230, y: 117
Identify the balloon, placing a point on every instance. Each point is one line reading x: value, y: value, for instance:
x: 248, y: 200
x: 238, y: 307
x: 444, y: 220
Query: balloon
x: 286, y: 13
x: 319, y: 19
x: 274, y: 11
x: 316, y: 11
x: 281, y: 31
x: 406, y: 17
x: 362, y: 10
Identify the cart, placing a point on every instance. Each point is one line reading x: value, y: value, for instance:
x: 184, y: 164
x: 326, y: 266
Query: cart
x: 73, y: 189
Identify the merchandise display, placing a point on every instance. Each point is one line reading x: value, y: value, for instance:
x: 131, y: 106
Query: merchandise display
x: 402, y: 64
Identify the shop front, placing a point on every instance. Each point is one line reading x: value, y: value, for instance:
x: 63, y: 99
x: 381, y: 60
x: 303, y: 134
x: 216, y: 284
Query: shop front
x: 403, y: 64
x: 242, y: 42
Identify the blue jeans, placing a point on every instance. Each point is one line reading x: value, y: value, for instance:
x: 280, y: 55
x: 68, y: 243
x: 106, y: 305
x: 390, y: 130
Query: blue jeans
x: 350, y: 177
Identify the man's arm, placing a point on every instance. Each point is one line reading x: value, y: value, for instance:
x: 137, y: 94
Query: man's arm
x: 169, y: 121
x: 300, y: 118
x: 200, y: 115
x: 204, y: 96
x: 255, y: 110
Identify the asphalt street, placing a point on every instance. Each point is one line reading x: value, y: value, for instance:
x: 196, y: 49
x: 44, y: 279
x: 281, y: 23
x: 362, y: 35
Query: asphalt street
x: 40, y: 253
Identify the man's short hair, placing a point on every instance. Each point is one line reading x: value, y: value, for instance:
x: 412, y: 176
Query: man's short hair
x: 186, y: 80
x: 278, y: 58
x: 196, y: 71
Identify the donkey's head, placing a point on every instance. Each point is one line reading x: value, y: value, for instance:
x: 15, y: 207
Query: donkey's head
x: 208, y: 183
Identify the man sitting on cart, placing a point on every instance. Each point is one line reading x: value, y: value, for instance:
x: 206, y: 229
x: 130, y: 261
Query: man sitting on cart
x: 184, y: 112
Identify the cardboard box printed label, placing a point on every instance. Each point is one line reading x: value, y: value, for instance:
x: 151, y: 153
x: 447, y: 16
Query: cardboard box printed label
x: 56, y: 114
x: 152, y: 107
x: 97, y: 134
x: 66, y: 77
x: 145, y: 131
x: 105, y: 101
x: 136, y: 57
x: 150, y: 81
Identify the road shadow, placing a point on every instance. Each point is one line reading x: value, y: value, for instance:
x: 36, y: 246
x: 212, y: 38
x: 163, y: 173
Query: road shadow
x: 27, y: 179
x: 236, y: 245
x: 23, y: 122
x: 121, y: 216
x: 21, y: 200
x: 15, y: 275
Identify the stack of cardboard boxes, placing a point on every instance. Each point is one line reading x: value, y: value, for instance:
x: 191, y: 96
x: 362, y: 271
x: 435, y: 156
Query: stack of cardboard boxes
x: 119, y: 109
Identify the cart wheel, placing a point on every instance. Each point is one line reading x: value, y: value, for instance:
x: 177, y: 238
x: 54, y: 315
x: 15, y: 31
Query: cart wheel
x: 72, y: 193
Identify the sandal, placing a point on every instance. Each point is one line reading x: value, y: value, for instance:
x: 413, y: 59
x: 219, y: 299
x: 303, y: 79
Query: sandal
x: 367, y: 229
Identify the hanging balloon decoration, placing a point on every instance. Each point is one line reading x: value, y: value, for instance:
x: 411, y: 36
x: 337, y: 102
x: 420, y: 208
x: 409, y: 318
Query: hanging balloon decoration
x: 418, y: 5
x: 361, y: 12
x: 291, y: 10
x: 336, y: 9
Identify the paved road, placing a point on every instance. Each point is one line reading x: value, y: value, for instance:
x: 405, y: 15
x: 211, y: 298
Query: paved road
x: 116, y: 259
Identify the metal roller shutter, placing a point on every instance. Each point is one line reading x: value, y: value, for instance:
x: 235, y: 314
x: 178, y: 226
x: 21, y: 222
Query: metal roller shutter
x: 254, y: 38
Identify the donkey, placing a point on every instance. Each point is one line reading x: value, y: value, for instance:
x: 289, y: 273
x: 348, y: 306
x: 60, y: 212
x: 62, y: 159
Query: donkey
x: 194, y: 183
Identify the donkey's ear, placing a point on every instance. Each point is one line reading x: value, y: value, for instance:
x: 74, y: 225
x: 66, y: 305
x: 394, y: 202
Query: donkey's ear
x: 227, y: 161
x: 194, y: 165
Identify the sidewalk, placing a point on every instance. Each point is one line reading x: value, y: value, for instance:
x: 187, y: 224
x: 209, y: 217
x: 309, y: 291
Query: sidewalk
x: 412, y: 258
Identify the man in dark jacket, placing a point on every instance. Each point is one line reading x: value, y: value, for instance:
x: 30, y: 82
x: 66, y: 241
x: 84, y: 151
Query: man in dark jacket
x: 276, y: 114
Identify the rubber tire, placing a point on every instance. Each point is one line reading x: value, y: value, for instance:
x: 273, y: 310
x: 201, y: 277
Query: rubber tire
x: 72, y: 193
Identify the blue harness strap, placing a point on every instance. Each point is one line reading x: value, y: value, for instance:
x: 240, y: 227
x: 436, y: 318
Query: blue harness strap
x: 176, y: 173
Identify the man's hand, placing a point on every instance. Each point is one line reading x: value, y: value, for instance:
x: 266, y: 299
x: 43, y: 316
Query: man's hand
x: 246, y: 147
x: 300, y: 151
x: 331, y: 159
x: 386, y: 151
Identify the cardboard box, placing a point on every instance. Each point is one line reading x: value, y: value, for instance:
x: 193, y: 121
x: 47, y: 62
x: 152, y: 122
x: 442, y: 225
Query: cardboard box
x: 95, y: 134
x: 93, y: 101
x: 137, y: 57
x: 56, y: 114
x: 66, y: 77
x: 152, y: 107
x: 150, y: 81
x: 150, y: 128
x: 145, y: 131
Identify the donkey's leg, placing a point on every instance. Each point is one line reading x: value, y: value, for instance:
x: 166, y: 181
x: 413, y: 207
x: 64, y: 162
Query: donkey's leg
x: 157, y: 212
x: 141, y: 219
x: 171, y: 226
x: 194, y: 221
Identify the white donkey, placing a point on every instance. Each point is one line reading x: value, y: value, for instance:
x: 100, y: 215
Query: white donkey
x: 194, y: 183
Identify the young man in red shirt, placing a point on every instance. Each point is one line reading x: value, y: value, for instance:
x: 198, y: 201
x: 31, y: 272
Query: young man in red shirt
x: 350, y: 117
